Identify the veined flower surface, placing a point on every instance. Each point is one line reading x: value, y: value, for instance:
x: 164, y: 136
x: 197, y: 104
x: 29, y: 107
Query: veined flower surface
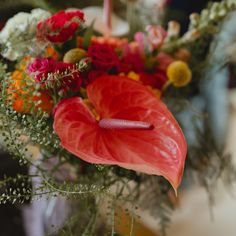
x: 157, y: 151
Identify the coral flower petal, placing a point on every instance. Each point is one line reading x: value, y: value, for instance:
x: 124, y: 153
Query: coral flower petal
x: 159, y: 151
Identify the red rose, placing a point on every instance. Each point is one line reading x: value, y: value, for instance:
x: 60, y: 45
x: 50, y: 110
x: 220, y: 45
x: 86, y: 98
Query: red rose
x: 103, y: 56
x: 60, y: 27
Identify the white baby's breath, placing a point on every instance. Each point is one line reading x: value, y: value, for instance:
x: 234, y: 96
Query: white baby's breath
x: 18, y: 37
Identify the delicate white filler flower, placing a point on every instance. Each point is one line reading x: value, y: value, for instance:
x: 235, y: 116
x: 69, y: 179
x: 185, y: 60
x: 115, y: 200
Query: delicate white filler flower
x: 19, y: 34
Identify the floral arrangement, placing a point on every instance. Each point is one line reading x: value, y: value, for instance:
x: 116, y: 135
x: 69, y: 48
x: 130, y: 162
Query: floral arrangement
x: 95, y: 108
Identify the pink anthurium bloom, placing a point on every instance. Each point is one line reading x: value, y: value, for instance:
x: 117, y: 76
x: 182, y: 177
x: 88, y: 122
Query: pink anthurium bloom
x: 135, y: 130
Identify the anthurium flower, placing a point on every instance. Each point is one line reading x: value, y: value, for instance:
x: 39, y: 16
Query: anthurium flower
x: 135, y: 130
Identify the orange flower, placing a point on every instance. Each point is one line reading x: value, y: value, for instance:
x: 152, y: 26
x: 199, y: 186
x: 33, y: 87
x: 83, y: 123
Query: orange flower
x: 183, y: 54
x: 52, y: 53
x: 112, y: 41
x: 23, y: 98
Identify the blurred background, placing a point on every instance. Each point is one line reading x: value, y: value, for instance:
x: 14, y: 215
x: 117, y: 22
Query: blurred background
x: 194, y: 215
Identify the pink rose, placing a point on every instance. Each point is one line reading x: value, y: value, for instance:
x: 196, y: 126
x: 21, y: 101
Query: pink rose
x: 156, y: 35
x: 40, y: 69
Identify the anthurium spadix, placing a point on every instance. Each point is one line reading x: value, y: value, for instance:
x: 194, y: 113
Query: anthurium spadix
x: 132, y: 129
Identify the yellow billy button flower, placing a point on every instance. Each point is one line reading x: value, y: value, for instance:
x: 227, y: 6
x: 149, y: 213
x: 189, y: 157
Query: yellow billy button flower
x: 74, y: 55
x: 179, y: 74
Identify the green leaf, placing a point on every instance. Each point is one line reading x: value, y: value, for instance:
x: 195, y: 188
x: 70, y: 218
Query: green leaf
x: 88, y: 35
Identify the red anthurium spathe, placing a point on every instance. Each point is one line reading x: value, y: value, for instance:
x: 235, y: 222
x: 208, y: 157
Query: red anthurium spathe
x: 135, y: 131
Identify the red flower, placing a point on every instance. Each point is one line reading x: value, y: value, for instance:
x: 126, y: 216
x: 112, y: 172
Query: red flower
x: 40, y: 68
x: 164, y: 60
x: 60, y: 27
x: 2, y: 23
x: 155, y: 80
x: 114, y: 42
x: 123, y: 136
x: 94, y: 74
x: 132, y: 60
x: 103, y: 56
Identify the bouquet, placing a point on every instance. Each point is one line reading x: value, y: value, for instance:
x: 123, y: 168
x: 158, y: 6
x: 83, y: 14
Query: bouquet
x: 103, y: 111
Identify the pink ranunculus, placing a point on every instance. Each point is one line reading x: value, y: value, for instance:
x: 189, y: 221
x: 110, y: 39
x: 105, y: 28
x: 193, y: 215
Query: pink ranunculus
x: 136, y: 130
x: 156, y: 35
x: 60, y: 27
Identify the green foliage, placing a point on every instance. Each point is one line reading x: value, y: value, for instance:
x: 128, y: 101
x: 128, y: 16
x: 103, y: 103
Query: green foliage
x: 202, y: 30
x: 209, y: 161
x: 88, y: 35
x: 15, y: 190
x: 159, y: 199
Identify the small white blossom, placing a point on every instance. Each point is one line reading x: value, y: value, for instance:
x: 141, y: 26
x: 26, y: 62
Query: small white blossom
x: 173, y: 29
x: 19, y: 34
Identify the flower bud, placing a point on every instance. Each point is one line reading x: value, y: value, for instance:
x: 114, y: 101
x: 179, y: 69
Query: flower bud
x: 183, y: 54
x: 85, y: 64
x: 173, y: 29
x: 191, y: 35
x: 74, y: 55
x: 194, y: 18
